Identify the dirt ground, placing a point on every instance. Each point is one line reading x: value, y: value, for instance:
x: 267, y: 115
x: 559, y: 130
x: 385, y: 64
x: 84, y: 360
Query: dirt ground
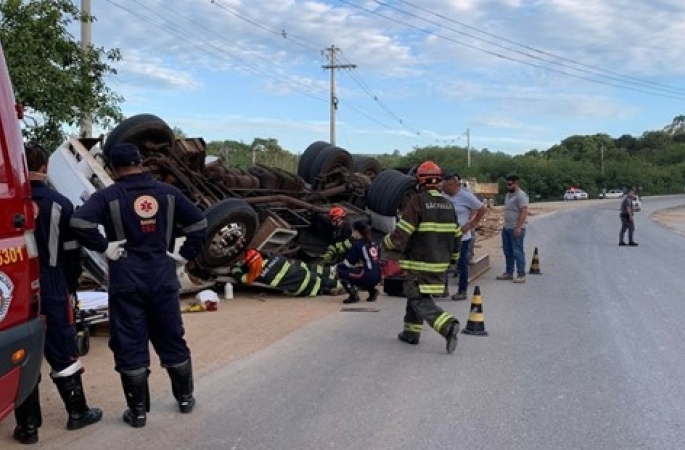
x: 671, y: 218
x: 249, y: 322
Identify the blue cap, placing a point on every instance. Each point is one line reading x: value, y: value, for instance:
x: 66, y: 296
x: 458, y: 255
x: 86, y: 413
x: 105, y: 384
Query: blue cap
x: 123, y: 155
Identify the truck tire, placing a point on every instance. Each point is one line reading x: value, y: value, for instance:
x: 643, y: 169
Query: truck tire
x: 367, y: 165
x: 389, y: 192
x: 233, y: 212
x: 307, y: 159
x: 141, y: 130
x: 328, y: 159
x: 267, y: 179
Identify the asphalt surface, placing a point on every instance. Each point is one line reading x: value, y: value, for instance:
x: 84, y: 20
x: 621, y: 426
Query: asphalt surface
x: 588, y: 355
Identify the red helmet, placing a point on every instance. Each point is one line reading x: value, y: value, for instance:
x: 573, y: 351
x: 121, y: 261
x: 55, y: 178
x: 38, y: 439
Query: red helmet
x: 337, y: 212
x: 253, y: 261
x: 429, y: 173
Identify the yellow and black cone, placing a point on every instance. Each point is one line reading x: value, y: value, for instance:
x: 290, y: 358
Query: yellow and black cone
x: 535, y: 265
x: 476, y: 323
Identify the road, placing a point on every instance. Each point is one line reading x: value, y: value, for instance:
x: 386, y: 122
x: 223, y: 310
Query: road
x: 588, y: 355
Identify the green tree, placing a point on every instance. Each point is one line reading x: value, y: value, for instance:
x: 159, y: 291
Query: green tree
x: 57, y: 81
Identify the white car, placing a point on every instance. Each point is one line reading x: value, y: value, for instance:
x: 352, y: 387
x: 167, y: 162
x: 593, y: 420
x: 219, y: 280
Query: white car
x: 612, y: 193
x: 575, y: 194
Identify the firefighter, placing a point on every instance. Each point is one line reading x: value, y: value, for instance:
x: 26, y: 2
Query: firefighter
x: 290, y: 276
x: 342, y: 236
x: 362, y: 266
x: 140, y: 217
x: 428, y: 239
x: 60, y: 269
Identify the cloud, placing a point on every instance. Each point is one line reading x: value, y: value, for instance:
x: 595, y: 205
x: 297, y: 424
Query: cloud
x: 148, y: 72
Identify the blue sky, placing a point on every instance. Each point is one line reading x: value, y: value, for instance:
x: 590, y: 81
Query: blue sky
x: 518, y: 74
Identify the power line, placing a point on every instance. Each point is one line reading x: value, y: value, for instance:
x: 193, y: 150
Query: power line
x: 509, y: 58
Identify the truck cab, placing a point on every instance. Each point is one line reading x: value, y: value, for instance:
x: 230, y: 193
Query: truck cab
x: 22, y: 330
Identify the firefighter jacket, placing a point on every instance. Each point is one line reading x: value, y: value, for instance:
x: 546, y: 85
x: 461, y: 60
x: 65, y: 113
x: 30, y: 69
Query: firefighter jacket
x: 428, y: 238
x: 58, y: 250
x: 290, y: 276
x: 341, y: 244
x: 146, y: 213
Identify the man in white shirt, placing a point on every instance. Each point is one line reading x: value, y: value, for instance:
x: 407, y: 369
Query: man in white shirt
x: 469, y: 211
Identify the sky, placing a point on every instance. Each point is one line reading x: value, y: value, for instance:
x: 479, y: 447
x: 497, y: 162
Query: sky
x: 502, y: 75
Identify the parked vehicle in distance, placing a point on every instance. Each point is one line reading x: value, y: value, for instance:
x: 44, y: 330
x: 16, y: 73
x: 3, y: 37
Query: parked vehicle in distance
x: 575, y: 194
x: 22, y: 331
x: 611, y: 193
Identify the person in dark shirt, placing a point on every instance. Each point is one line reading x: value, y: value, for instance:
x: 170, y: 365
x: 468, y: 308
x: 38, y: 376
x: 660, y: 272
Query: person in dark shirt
x: 627, y: 219
x: 362, y: 266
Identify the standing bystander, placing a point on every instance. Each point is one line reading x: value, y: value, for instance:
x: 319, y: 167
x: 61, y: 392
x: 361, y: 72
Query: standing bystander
x: 470, y: 212
x: 514, y: 231
x: 627, y: 218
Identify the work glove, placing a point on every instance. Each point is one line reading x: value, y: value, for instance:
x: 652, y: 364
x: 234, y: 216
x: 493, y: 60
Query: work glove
x: 114, y: 250
x: 179, y: 260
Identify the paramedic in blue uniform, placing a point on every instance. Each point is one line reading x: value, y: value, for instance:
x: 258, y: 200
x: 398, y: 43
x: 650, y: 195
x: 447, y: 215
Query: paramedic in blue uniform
x: 140, y: 217
x: 60, y: 269
x: 362, y: 265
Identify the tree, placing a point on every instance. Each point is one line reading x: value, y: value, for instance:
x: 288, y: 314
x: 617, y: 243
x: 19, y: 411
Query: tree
x: 57, y: 81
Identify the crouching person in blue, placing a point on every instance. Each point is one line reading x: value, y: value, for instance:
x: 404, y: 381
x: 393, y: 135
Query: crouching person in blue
x: 362, y: 266
x: 140, y: 217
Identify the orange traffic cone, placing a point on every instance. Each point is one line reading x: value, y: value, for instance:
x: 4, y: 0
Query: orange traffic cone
x: 476, y: 323
x: 535, y: 265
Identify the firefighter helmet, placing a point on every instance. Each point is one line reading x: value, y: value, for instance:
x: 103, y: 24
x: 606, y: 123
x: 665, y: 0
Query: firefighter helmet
x: 429, y: 173
x: 253, y: 263
x: 337, y: 212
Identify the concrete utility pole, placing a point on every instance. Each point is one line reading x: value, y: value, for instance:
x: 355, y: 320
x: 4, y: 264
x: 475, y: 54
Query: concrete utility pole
x: 334, y: 100
x: 86, y: 121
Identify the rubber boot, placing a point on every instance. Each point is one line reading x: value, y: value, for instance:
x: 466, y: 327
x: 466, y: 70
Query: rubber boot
x: 181, y: 376
x: 71, y: 390
x: 137, y: 395
x: 373, y: 294
x: 354, y: 297
x: 29, y: 419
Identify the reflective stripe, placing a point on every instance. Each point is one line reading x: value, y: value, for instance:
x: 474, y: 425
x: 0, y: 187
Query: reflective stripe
x: 69, y: 371
x: 423, y: 266
x: 53, y: 239
x: 456, y: 256
x: 315, y: 291
x: 279, y: 276
x: 458, y: 233
x: 440, y: 322
x: 81, y: 224
x: 435, y: 193
x: 71, y: 245
x: 406, y: 226
x: 438, y: 227
x: 115, y: 212
x: 197, y: 226
x: 304, y: 284
x: 431, y: 289
x: 388, y: 243
x: 170, y: 212
x: 413, y: 327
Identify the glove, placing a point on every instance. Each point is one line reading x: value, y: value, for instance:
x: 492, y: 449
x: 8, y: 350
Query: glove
x: 179, y: 260
x: 114, y: 250
x: 327, y: 258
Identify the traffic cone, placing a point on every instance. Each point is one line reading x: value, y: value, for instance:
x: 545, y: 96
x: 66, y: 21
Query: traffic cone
x: 535, y: 264
x: 476, y: 323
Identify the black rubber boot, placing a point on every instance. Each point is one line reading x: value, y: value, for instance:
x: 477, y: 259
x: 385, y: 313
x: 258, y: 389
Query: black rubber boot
x: 29, y: 419
x: 354, y: 297
x: 373, y: 295
x: 182, y: 385
x: 451, y: 337
x: 409, y: 338
x: 71, y: 390
x: 137, y: 395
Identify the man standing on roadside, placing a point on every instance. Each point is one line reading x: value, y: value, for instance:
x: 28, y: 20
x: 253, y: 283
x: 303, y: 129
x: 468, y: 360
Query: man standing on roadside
x: 514, y: 231
x: 469, y: 211
x: 627, y: 220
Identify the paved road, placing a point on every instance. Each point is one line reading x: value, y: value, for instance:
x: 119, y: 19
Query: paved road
x: 588, y: 355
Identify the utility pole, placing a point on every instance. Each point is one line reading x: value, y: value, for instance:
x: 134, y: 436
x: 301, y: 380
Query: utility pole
x: 602, y: 157
x: 86, y: 121
x: 468, y: 148
x: 334, y: 100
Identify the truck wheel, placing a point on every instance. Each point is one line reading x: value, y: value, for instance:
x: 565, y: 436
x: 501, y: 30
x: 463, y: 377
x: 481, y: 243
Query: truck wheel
x: 267, y: 179
x: 83, y: 341
x: 307, y: 159
x: 367, y: 165
x: 231, y: 224
x: 389, y: 192
x: 148, y: 132
x: 328, y: 159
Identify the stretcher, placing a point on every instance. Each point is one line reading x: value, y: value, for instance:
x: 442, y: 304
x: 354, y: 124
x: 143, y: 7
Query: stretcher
x: 90, y: 308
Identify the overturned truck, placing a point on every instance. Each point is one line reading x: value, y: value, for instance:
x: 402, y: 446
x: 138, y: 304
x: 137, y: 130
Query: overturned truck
x: 262, y: 207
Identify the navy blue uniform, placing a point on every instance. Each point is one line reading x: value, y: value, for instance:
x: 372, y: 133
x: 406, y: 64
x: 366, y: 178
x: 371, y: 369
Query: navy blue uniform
x: 60, y: 269
x: 143, y: 285
x: 362, y: 266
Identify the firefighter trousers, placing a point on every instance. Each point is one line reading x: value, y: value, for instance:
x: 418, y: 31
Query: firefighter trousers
x: 422, y: 307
